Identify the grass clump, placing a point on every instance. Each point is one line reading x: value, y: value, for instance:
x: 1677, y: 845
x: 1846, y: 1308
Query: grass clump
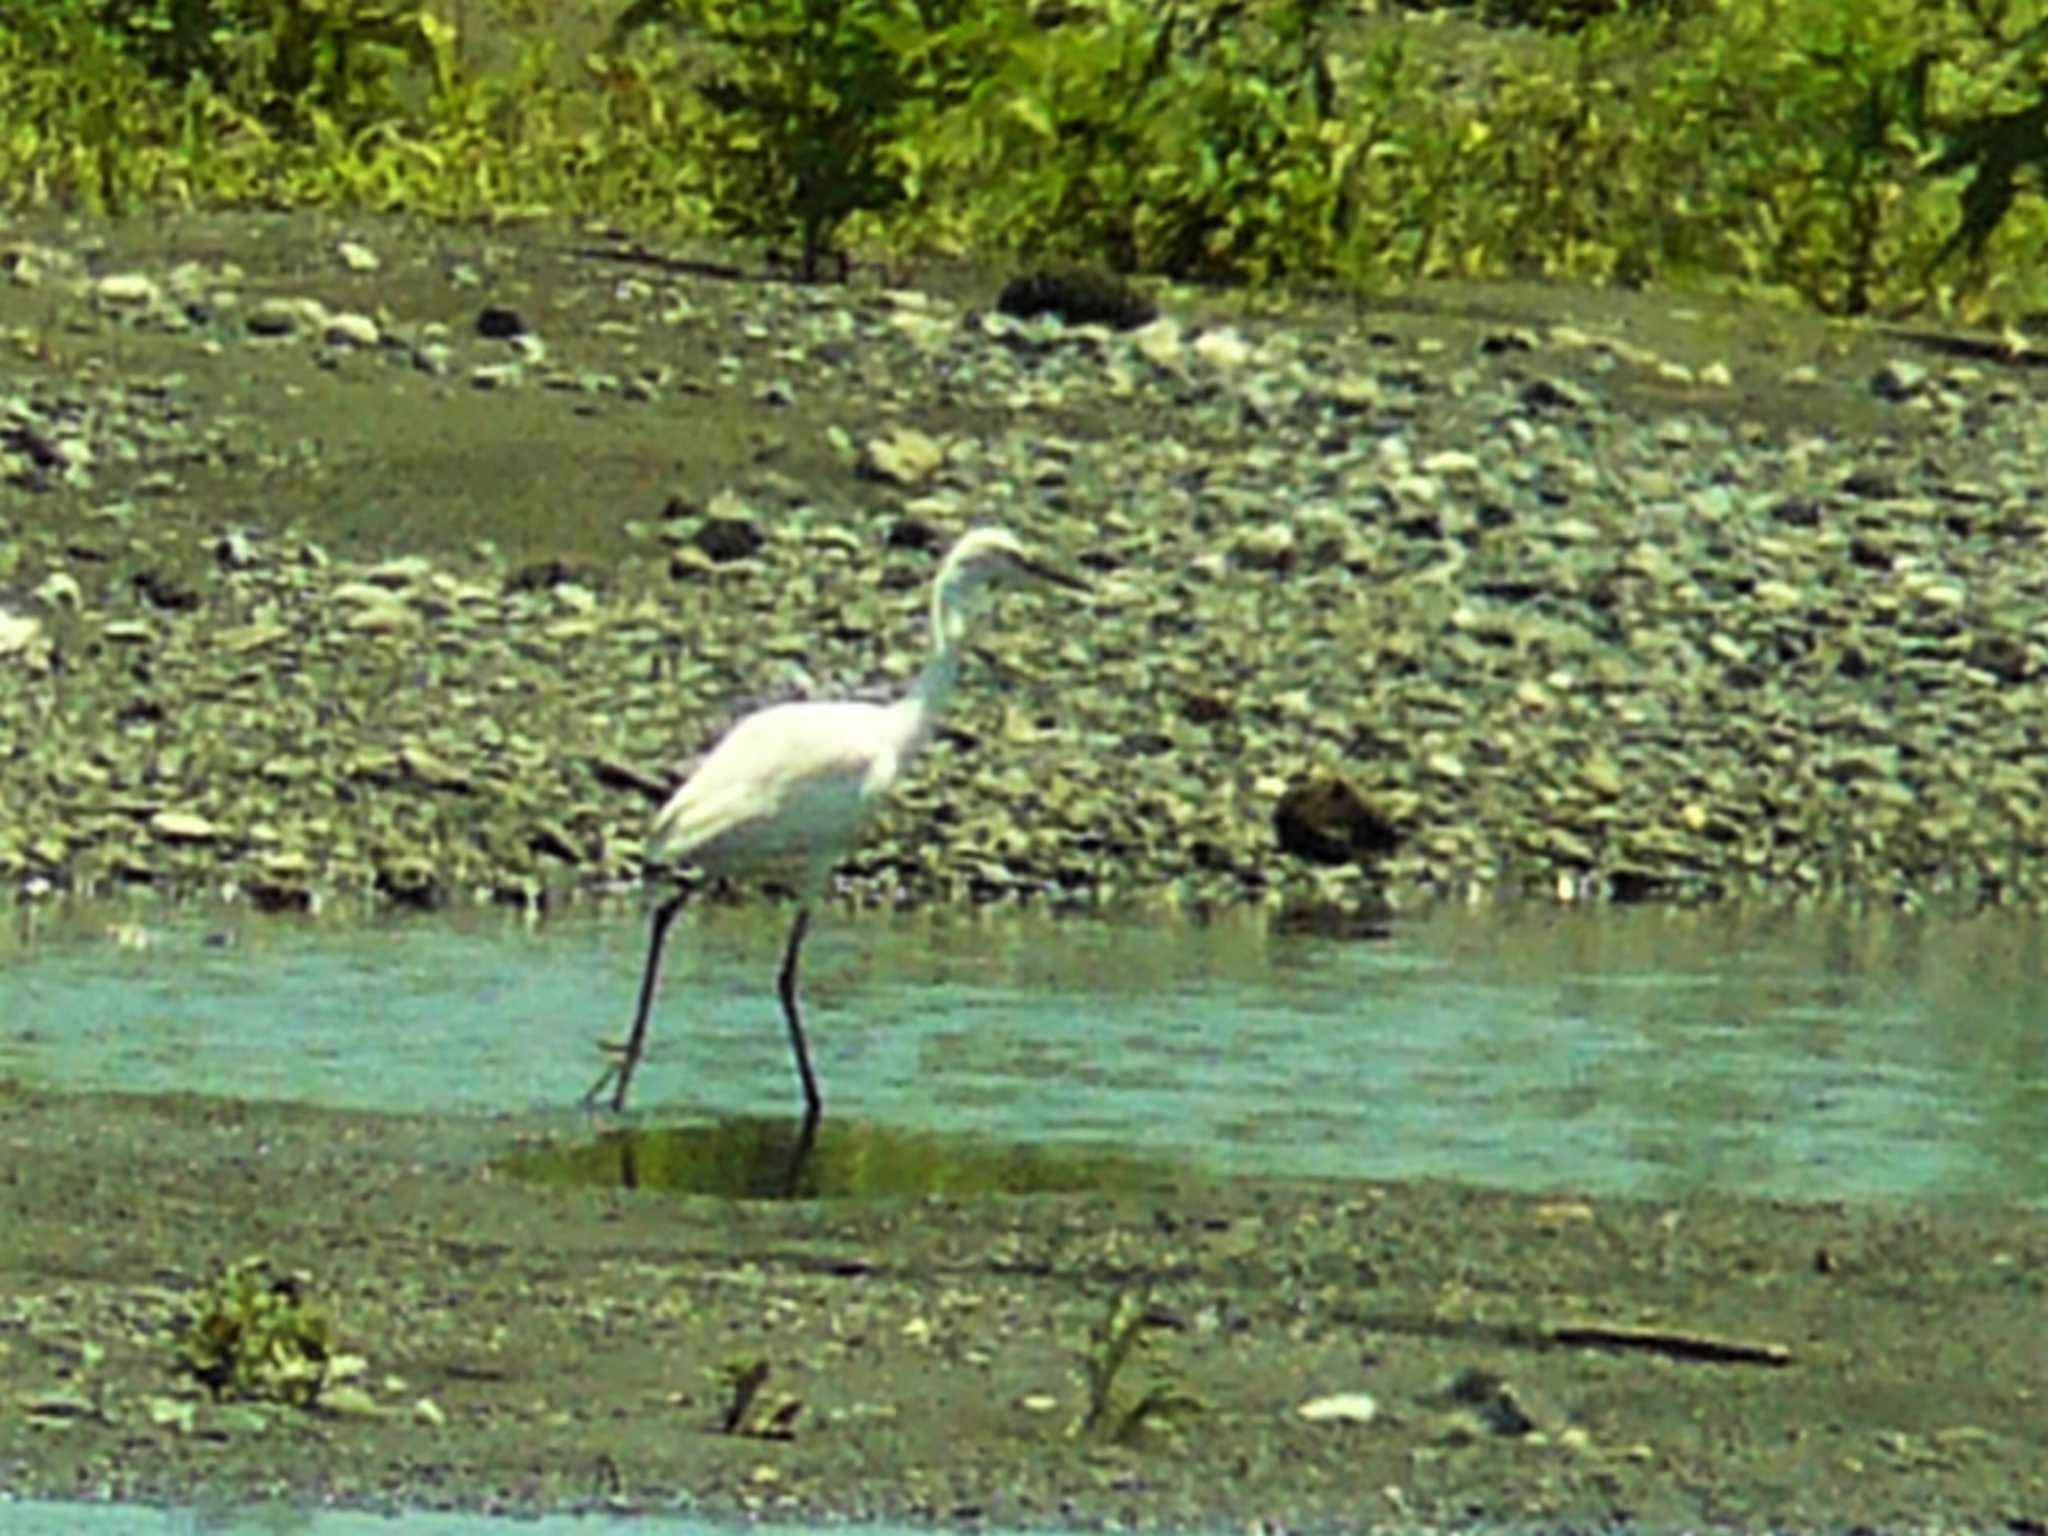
x: 1117, y: 1417
x: 257, y: 1333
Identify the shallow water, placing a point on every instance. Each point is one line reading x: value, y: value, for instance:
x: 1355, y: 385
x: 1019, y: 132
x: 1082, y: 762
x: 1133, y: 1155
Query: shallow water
x: 1638, y: 1050
x: 33, y: 1517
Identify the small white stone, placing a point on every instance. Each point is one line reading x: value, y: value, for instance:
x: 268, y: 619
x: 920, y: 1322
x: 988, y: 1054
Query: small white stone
x: 1451, y: 463
x: 352, y: 330
x: 1340, y: 1408
x: 905, y: 456
x: 1159, y: 343
x: 59, y: 590
x: 130, y: 290
x: 282, y: 316
x: 1223, y: 349
x: 17, y: 632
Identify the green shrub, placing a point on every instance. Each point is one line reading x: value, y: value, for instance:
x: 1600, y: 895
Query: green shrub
x: 85, y: 127
x: 1201, y: 143
x: 803, y: 98
x: 1851, y: 148
x: 1989, y: 119
x: 256, y: 1333
x: 285, y: 63
x: 1854, y: 155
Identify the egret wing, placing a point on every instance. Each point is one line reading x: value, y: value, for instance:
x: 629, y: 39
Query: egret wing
x: 789, y: 780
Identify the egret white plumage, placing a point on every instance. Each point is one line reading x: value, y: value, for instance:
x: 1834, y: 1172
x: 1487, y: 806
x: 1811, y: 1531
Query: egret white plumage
x: 789, y: 786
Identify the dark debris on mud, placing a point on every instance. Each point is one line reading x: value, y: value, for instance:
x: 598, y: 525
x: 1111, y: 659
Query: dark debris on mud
x: 1342, y: 1356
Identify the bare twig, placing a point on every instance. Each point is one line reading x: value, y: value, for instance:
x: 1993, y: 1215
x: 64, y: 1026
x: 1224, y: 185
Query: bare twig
x: 1681, y: 1346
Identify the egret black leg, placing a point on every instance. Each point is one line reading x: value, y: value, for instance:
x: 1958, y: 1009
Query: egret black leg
x: 785, y: 987
x: 628, y: 1054
x: 793, y: 1176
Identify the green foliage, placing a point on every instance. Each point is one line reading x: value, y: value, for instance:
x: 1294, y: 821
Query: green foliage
x: 62, y: 133
x: 747, y: 1412
x: 803, y: 97
x: 85, y: 126
x: 1855, y: 155
x: 1812, y: 129
x: 326, y: 65
x: 1113, y: 1344
x: 1538, y: 172
x: 290, y: 64
x: 1799, y: 147
x: 254, y: 1333
x: 1846, y: 191
x: 1199, y: 142
x: 1574, y: 15
x: 2004, y: 145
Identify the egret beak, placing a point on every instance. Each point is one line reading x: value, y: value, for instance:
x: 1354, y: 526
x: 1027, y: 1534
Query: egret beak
x: 1049, y: 576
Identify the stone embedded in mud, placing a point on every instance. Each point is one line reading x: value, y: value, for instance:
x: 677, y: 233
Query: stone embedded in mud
x: 436, y: 772
x: 1554, y: 394
x: 1223, y: 349
x: 235, y: 550
x: 495, y: 322
x: 723, y: 540
x: 905, y: 456
x: 27, y: 264
x: 183, y: 827
x: 541, y: 576
x: 164, y: 592
x: 351, y: 330
x: 1161, y: 344
x: 400, y: 572
x: 127, y: 290
x: 1899, y: 379
x: 278, y: 316
x: 388, y: 616
x: 241, y: 639
x: 20, y: 634
x: 1340, y: 1408
x: 1077, y: 296
x: 59, y: 589
x: 1491, y: 1400
x: 1326, y: 821
x: 1271, y: 548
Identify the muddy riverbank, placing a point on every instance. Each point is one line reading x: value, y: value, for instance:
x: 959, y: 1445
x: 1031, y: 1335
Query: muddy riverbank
x: 535, y: 1344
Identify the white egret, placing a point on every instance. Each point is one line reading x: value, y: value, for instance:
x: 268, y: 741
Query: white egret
x: 787, y: 788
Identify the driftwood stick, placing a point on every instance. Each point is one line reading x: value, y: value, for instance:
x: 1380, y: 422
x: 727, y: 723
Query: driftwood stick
x: 1662, y: 1341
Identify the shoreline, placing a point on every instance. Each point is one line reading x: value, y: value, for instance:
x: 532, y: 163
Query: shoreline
x: 936, y: 1346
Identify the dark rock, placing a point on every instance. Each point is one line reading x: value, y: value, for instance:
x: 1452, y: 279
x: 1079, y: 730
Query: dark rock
x: 496, y: 323
x: 724, y: 539
x: 912, y: 533
x: 160, y: 591
x: 1326, y: 821
x: 542, y: 575
x: 1079, y: 296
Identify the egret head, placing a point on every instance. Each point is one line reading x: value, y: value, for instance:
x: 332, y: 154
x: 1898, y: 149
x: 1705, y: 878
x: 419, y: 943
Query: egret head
x: 982, y: 558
